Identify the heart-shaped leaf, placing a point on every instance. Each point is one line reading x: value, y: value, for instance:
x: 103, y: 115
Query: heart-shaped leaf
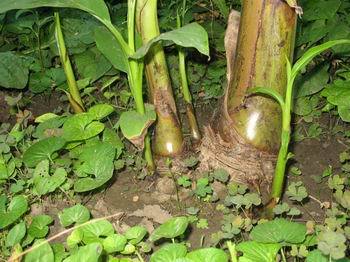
x: 43, y: 253
x: 17, y: 207
x: 114, y: 243
x: 100, y: 111
x: 172, y: 228
x: 169, y: 253
x: 16, y: 234
x: 208, y: 255
x: 279, y: 231
x: 135, y: 234
x: 254, y: 251
x: 75, y: 214
x: 81, y: 127
x: 39, y: 226
x: 42, y: 150
x: 101, y: 169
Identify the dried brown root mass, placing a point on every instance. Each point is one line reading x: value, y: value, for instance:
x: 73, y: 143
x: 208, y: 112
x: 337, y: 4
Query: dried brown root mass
x: 244, y: 163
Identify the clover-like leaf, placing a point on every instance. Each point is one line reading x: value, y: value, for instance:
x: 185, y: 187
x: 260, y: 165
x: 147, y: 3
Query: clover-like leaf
x: 332, y: 244
x: 296, y: 191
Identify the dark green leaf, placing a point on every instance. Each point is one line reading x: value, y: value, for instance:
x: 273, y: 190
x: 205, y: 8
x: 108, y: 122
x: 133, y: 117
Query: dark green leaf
x: 17, y: 207
x: 42, y: 150
x: 191, y: 35
x: 111, y: 49
x: 13, y: 72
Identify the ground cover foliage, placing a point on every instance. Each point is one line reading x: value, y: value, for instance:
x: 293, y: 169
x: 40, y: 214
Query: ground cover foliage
x: 55, y: 155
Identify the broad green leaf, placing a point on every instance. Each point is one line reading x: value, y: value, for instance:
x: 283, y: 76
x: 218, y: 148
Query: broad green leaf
x: 172, y: 228
x: 191, y: 35
x: 316, y: 256
x: 45, y: 80
x: 94, y: 231
x: 75, y: 214
x: 269, y: 92
x: 110, y: 136
x: 111, y: 49
x: 59, y: 251
x: 92, y: 64
x: 49, y: 127
x: 44, y: 184
x: 95, y: 7
x: 134, y: 125
x: 114, y: 243
x: 88, y: 253
x: 74, y: 238
x: 316, y: 9
x: 101, y: 169
x: 224, y: 9
x: 39, y: 226
x: 16, y: 234
x: 312, y: 52
x: 337, y: 94
x: 209, y: 254
x: 135, y: 234
x: 312, y: 82
x: 42, y: 150
x: 258, y: 252
x: 13, y: 72
x: 81, y: 127
x: 17, y: 207
x: 100, y: 111
x: 43, y: 253
x: 279, y: 231
x: 169, y: 253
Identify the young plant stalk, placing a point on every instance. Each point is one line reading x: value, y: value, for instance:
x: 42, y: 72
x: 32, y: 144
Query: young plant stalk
x: 191, y: 117
x: 73, y: 95
x: 135, y: 77
x: 168, y: 140
x: 286, y: 106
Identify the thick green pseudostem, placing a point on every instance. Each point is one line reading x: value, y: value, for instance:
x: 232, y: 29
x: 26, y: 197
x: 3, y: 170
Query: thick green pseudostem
x: 191, y: 117
x: 168, y: 140
x: 135, y: 77
x: 74, y: 95
x: 266, y: 37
